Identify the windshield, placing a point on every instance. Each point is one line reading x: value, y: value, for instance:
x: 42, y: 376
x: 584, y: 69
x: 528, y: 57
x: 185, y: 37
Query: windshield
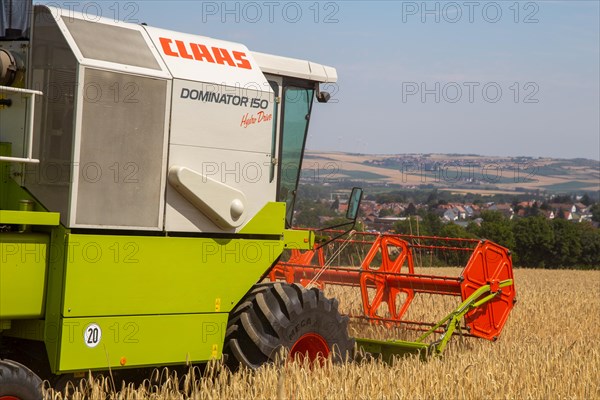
x: 297, y: 105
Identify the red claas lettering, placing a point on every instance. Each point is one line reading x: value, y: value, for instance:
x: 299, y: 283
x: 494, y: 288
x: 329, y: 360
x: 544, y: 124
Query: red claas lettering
x: 200, y: 52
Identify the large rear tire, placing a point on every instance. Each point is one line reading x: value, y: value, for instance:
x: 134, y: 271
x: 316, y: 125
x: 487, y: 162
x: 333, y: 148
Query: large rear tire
x: 279, y: 315
x: 17, y: 382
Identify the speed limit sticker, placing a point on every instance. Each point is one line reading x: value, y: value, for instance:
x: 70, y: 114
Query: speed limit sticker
x: 92, y: 335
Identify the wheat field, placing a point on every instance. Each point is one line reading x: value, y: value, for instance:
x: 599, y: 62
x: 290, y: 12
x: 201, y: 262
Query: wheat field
x: 548, y: 350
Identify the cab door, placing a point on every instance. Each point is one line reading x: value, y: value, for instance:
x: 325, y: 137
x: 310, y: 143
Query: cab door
x: 297, y: 99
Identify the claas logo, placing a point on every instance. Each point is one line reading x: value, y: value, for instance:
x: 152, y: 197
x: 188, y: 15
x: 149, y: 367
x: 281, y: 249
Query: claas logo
x: 199, y: 52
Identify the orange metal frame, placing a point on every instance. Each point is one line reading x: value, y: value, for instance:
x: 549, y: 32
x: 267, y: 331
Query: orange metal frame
x: 395, y: 283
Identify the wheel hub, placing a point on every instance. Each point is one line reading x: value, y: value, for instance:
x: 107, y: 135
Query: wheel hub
x: 311, y: 345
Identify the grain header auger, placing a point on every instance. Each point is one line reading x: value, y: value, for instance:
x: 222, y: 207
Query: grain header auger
x: 147, y: 184
x: 382, y: 267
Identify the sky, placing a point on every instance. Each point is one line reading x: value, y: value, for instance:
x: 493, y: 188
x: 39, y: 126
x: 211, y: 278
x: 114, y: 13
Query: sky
x: 500, y: 78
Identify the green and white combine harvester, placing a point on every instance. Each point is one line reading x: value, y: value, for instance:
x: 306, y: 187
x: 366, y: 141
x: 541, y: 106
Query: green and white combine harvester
x: 147, y: 187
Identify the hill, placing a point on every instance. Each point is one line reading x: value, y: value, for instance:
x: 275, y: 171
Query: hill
x: 455, y: 172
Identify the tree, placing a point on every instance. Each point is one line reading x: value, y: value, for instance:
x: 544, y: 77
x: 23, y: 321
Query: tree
x: 308, y: 218
x: 474, y: 229
x: 408, y: 227
x: 307, y: 213
x: 516, y: 206
x: 534, y: 241
x: 565, y: 198
x: 432, y: 198
x: 359, y: 227
x: 533, y: 210
x: 452, y: 230
x: 567, y: 246
x: 385, y: 212
x: 589, y: 237
x: 595, y: 212
x: 410, y: 210
x: 497, y: 228
x: 336, y: 203
x: 431, y: 225
x: 586, y: 200
x: 455, y: 258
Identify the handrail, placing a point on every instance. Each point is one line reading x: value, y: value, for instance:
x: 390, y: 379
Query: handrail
x: 30, y: 95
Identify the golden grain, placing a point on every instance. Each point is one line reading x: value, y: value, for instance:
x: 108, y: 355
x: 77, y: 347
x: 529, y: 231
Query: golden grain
x: 548, y: 350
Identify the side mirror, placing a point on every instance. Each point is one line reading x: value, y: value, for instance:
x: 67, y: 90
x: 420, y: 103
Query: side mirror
x: 354, y: 203
x: 323, y: 97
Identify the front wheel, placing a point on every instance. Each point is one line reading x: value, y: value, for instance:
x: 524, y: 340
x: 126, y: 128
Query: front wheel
x: 17, y: 382
x: 281, y: 315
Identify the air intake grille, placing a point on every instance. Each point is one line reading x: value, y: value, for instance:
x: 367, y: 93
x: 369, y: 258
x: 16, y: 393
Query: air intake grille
x: 121, y: 150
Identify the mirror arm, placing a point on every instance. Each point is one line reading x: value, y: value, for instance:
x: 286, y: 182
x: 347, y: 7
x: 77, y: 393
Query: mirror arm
x: 337, y: 236
x: 352, y: 221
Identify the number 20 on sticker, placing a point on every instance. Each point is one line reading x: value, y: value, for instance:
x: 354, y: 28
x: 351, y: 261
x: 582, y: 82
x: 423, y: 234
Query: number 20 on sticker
x: 92, y: 335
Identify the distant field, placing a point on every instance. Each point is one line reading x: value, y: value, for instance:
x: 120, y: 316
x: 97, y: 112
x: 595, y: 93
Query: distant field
x: 476, y: 174
x: 568, y: 186
x: 548, y: 350
x: 483, y: 192
x: 361, y: 174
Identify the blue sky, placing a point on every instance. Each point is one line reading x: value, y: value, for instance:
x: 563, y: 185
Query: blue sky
x: 543, y: 56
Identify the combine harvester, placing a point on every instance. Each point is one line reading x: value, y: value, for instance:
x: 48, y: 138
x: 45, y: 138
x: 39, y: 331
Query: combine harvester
x: 147, y: 186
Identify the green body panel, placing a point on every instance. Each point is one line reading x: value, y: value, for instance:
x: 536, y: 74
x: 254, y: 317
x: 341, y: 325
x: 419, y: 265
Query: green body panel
x: 271, y: 219
x: 301, y: 240
x: 5, y: 149
x: 268, y: 221
x: 54, y: 293
x: 129, y: 341
x: 157, y: 299
x: 22, y: 274
x: 133, y: 275
x: 29, y: 217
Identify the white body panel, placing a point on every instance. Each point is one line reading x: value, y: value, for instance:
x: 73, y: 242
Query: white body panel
x: 225, y: 135
x: 204, y: 59
x: 121, y: 93
x: 224, y: 205
x: 221, y: 128
x: 208, y: 115
x: 276, y: 65
x: 247, y: 172
x: 66, y: 17
x: 167, y: 99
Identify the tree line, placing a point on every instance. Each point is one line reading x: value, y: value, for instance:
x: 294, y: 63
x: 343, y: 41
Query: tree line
x: 534, y: 241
